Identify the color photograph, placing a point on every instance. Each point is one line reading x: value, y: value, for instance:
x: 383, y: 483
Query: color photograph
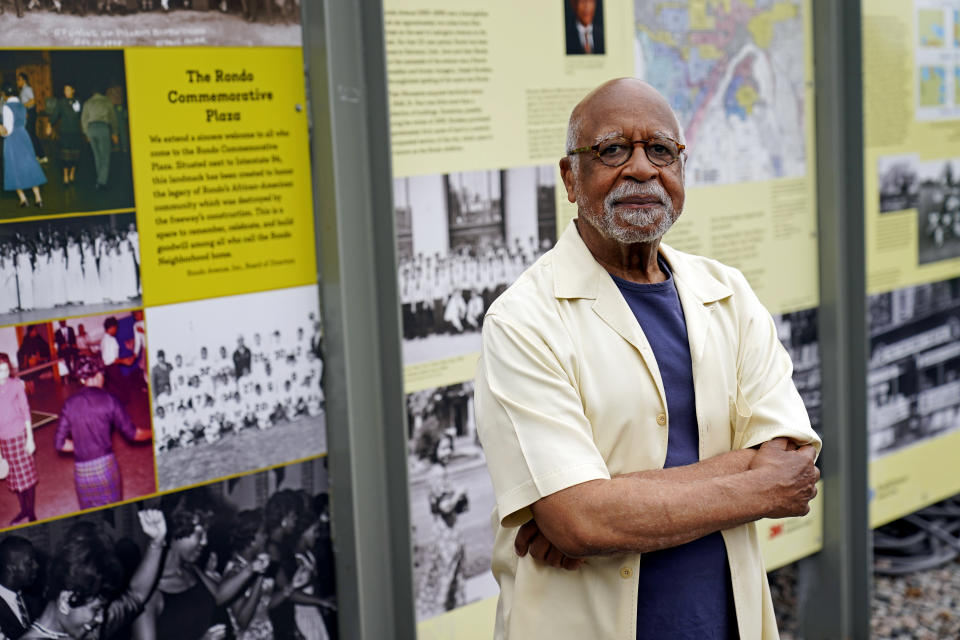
x: 247, y: 558
x: 66, y: 140
x: 68, y: 266
x: 236, y: 383
x: 462, y: 239
x: 74, y: 416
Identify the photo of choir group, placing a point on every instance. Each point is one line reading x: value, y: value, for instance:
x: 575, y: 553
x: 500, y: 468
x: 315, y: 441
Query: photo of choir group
x: 68, y: 265
x: 75, y: 428
x: 150, y: 22
x: 462, y: 238
x: 938, y: 211
x: 236, y: 384
x: 248, y: 558
x: 451, y: 499
x: 65, y: 135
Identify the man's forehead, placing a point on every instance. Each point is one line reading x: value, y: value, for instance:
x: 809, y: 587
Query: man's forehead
x: 627, y: 106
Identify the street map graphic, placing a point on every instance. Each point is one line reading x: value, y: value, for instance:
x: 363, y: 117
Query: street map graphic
x: 734, y: 72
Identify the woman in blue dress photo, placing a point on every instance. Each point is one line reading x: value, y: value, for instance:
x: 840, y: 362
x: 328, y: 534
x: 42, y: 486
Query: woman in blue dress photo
x: 20, y: 167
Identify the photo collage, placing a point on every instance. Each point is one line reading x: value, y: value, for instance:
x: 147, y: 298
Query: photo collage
x: 163, y: 447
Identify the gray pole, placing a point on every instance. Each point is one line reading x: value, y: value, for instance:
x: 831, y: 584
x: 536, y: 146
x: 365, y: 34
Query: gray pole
x: 839, y: 603
x: 345, y: 56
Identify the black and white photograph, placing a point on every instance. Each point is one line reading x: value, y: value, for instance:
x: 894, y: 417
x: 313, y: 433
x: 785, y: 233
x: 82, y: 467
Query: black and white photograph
x: 236, y: 384
x: 80, y: 385
x: 451, y: 499
x: 913, y: 382
x: 798, y: 333
x: 249, y: 558
x: 65, y: 132
x: 462, y: 239
x: 152, y: 23
x: 938, y: 211
x: 898, y: 182
x: 68, y: 266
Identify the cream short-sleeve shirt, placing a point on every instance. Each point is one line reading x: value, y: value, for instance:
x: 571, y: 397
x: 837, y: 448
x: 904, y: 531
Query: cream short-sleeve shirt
x: 568, y: 390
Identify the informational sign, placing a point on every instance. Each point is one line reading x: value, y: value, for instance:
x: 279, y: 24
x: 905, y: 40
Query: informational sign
x: 479, y: 106
x: 160, y: 324
x: 911, y: 57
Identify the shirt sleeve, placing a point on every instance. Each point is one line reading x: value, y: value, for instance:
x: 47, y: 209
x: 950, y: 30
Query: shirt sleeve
x: 8, y: 119
x: 768, y: 404
x: 121, y: 420
x: 63, y: 427
x: 26, y: 94
x: 530, y: 419
x: 23, y: 406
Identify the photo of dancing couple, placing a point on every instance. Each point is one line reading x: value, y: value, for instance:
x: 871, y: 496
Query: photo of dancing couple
x: 250, y: 558
x: 237, y: 384
x: 68, y: 266
x: 74, y: 416
x: 65, y: 133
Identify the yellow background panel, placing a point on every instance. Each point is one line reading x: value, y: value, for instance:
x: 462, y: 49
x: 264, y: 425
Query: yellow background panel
x: 236, y: 216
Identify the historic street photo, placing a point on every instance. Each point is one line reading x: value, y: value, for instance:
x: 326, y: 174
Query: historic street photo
x: 913, y: 384
x: 236, y: 384
x: 799, y: 335
x: 462, y: 239
x: 938, y: 211
x: 66, y: 140
x: 898, y: 181
x: 68, y: 266
x: 259, y: 538
x: 80, y: 384
x: 451, y: 499
x: 151, y: 23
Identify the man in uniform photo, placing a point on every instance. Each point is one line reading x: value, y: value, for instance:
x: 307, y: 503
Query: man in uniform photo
x: 636, y: 409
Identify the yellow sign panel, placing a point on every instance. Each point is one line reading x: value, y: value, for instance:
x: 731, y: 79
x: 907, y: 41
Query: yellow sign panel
x: 221, y: 171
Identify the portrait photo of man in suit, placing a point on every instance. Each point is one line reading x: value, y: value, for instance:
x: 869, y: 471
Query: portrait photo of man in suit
x: 584, y: 26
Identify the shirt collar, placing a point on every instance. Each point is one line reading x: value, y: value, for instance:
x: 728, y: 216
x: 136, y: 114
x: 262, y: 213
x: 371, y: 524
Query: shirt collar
x: 578, y: 274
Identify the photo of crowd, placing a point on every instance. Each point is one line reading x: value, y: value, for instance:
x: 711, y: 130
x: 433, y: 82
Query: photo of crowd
x: 73, y: 403
x: 899, y: 186
x: 248, y: 558
x: 73, y: 266
x: 451, y: 499
x: 65, y: 132
x: 237, y: 384
x: 124, y: 23
x: 462, y: 239
x: 938, y: 211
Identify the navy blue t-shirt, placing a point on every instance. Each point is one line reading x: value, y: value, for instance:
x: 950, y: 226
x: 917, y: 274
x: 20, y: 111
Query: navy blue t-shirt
x: 684, y: 591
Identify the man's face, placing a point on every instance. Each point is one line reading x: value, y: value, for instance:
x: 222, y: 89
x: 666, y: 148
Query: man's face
x: 112, y: 330
x: 69, y: 92
x: 637, y: 201
x: 25, y: 568
x: 585, y: 9
x: 20, y: 82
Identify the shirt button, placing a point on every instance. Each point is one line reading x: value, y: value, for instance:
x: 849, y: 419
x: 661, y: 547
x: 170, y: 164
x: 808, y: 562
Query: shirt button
x: 661, y: 419
x: 626, y: 572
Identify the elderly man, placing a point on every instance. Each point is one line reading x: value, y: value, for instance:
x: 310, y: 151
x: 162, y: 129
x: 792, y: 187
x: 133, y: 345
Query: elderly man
x: 636, y: 409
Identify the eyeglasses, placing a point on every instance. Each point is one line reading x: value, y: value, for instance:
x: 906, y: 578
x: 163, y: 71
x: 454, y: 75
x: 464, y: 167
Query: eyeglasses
x: 661, y: 151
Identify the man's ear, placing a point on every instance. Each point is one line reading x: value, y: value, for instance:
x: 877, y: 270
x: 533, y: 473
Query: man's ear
x: 63, y: 602
x: 569, y: 180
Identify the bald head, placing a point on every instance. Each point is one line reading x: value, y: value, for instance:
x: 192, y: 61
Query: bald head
x: 623, y: 94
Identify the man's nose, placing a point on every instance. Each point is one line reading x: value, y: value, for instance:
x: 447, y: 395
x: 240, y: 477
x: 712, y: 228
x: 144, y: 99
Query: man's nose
x: 638, y: 166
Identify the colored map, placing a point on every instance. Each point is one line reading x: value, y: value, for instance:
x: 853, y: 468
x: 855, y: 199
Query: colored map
x: 734, y: 72
x: 930, y: 29
x: 933, y: 87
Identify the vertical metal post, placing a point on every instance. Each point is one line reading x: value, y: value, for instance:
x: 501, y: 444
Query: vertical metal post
x: 345, y: 55
x: 839, y: 605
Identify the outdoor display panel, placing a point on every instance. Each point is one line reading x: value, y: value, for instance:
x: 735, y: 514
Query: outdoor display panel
x: 478, y: 114
x: 160, y: 313
x: 911, y: 87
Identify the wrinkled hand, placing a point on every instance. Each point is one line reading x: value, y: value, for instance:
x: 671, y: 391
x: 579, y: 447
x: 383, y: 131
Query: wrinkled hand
x: 792, y: 476
x: 530, y: 538
x: 216, y: 632
x: 153, y: 524
x: 260, y: 563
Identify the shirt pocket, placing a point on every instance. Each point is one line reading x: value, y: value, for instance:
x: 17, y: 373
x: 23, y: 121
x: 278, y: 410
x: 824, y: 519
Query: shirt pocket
x: 740, y: 414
